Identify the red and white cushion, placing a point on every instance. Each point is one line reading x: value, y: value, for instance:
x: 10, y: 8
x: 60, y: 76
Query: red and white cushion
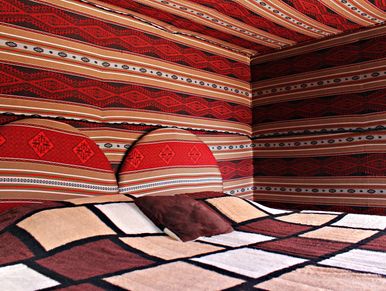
x: 168, y: 162
x: 49, y: 160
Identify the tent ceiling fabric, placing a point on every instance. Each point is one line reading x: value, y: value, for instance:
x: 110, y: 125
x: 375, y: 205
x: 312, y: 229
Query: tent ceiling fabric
x: 255, y: 28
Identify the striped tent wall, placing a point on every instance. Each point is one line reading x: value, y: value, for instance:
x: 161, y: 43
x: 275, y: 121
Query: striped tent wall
x: 319, y: 126
x: 116, y: 75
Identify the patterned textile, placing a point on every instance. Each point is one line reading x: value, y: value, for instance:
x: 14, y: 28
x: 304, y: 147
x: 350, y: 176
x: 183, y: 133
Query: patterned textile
x: 270, y: 249
x: 319, y: 127
x: 49, y: 160
x: 257, y: 27
x: 116, y: 75
x: 169, y: 161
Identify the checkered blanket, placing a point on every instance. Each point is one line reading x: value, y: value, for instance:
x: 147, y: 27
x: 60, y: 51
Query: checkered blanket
x: 107, y: 243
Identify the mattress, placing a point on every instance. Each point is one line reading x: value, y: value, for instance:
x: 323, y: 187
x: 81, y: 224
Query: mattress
x: 105, y: 242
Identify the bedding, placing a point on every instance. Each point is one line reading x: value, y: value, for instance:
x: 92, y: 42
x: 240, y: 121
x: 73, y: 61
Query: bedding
x: 106, y: 242
x: 43, y: 159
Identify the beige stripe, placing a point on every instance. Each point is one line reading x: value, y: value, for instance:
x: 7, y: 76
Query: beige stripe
x: 327, y: 151
x: 359, y: 144
x: 39, y: 195
x: 20, y: 186
x: 55, y: 108
x: 351, y: 87
x: 313, y: 90
x: 46, y: 123
x: 346, y: 121
x: 318, y: 29
x: 228, y: 155
x: 319, y: 74
x: 103, y: 134
x: 69, y: 171
x: 338, y: 40
x: 370, y: 9
x: 180, y: 190
x: 138, y: 175
x: 237, y: 183
x: 169, y: 135
x: 160, y: 29
x: 226, y: 24
x: 377, y: 182
x: 126, y: 179
x: 347, y: 12
x: 318, y: 199
x: 101, y: 199
x: 248, y: 196
x: 223, y: 139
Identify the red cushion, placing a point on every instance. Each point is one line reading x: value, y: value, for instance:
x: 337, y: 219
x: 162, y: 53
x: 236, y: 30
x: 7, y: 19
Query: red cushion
x: 49, y: 160
x: 167, y: 162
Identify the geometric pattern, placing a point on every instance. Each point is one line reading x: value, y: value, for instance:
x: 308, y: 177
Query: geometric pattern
x: 134, y: 158
x: 98, y: 245
x: 52, y: 20
x: 59, y: 86
x: 41, y: 144
x: 83, y: 151
x: 194, y: 154
x: 336, y: 133
x: 167, y: 154
x: 209, y: 19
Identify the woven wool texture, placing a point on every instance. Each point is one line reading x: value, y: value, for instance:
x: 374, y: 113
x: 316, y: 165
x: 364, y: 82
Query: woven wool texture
x: 319, y: 126
x: 115, y: 79
x: 117, y: 70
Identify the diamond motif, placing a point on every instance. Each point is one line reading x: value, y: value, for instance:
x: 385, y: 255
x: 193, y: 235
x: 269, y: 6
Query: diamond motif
x: 2, y: 139
x: 83, y: 151
x: 166, y: 154
x: 135, y: 158
x: 41, y: 144
x: 194, y: 154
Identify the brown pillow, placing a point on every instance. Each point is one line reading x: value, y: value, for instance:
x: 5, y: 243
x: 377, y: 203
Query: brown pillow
x: 182, y: 217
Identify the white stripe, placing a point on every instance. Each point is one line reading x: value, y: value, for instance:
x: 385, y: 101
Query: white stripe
x: 58, y: 183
